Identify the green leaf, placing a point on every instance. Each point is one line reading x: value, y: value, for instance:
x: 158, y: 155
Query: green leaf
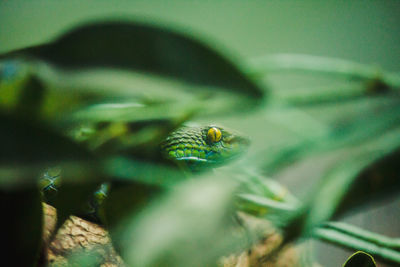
x: 375, y: 238
x: 360, y: 259
x: 138, y: 139
x: 145, y: 49
x: 320, y: 65
x: 192, y: 223
x: 262, y: 205
x: 264, y: 197
x: 125, y: 169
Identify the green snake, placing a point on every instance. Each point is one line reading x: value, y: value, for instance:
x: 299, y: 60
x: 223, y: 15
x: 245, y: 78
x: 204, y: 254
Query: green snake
x: 203, y: 147
x: 196, y: 148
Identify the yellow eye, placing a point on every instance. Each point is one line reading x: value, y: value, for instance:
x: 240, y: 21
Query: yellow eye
x: 214, y: 135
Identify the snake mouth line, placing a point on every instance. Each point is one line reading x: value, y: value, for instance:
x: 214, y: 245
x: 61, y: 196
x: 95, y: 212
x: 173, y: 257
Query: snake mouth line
x: 193, y: 159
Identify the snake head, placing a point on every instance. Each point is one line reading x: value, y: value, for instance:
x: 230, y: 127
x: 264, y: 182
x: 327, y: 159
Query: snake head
x: 203, y: 147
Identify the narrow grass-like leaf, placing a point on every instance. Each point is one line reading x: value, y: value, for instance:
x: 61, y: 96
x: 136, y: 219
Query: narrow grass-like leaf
x: 378, y: 239
x: 346, y: 131
x: 381, y: 247
x: 262, y: 205
x: 351, y: 184
x: 349, y: 241
x: 264, y: 197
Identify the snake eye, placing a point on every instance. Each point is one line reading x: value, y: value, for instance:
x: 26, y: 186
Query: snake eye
x: 214, y: 135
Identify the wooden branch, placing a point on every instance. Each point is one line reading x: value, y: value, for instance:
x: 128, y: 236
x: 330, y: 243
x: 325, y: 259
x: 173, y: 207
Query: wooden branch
x: 74, y: 235
x: 78, y: 234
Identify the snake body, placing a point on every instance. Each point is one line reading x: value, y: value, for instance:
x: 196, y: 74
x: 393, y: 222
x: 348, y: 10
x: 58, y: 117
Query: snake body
x: 196, y: 148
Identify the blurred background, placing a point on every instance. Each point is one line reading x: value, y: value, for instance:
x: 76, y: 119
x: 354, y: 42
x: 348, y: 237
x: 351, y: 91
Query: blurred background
x: 362, y: 31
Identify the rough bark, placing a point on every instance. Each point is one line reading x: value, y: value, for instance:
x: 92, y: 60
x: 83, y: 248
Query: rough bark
x: 78, y: 234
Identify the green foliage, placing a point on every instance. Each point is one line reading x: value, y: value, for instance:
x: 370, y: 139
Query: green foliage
x: 98, y: 100
x: 190, y: 226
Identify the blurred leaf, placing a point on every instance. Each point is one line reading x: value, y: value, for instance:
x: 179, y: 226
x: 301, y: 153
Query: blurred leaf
x: 30, y: 98
x: 135, y: 183
x: 355, y: 181
x: 11, y: 71
x: 28, y: 143
x: 264, y: 197
x: 83, y: 257
x: 138, y: 139
x: 379, y: 180
x: 152, y: 173
x: 257, y: 184
x: 145, y: 48
x: 75, y: 199
x: 322, y: 65
x: 30, y: 147
x: 21, y: 225
x: 360, y: 259
x: 148, y: 50
x: 351, y: 183
x: 347, y: 130
x: 126, y: 199
x: 329, y: 95
x: 191, y: 225
x: 262, y: 205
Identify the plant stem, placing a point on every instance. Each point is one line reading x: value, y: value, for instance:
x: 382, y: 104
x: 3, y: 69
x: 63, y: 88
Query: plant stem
x: 381, y: 247
x: 380, y: 240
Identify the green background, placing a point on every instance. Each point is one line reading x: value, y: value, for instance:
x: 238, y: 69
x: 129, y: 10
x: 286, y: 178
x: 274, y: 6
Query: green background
x: 363, y: 31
